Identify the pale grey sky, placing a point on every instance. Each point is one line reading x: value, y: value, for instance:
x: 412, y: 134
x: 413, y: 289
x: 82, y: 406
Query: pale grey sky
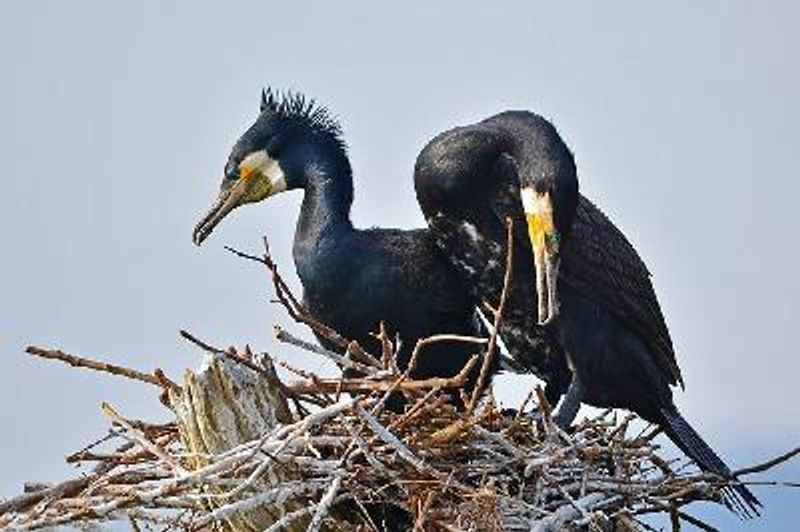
x: 116, y: 119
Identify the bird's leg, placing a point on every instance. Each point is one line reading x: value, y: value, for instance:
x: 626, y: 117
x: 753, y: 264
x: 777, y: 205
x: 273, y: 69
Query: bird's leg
x: 570, y: 404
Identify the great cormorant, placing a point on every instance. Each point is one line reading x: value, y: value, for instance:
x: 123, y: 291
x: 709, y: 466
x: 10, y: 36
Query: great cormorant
x: 609, y: 329
x: 352, y: 278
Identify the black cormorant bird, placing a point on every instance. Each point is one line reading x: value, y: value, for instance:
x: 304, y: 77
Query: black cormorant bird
x: 609, y: 330
x: 352, y: 279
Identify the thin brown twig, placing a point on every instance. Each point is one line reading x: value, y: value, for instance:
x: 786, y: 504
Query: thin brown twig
x: 776, y: 483
x: 201, y: 344
x: 769, y: 464
x: 67, y: 488
x: 82, y: 362
x: 544, y: 407
x: 491, y: 348
x: 296, y: 310
x: 236, y: 357
x: 422, y: 512
x: 86, y: 449
x: 369, y: 386
x: 661, y: 507
x: 521, y: 411
x: 344, y: 361
x: 422, y: 403
x: 142, y: 439
x: 266, y: 260
x: 229, y: 353
x: 297, y: 371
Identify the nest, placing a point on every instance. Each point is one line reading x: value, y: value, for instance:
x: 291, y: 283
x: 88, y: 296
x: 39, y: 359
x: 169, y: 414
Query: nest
x: 247, y: 451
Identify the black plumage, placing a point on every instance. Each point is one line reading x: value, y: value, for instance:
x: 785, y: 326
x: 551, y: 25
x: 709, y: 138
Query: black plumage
x: 467, y: 184
x: 608, y: 346
x: 352, y: 279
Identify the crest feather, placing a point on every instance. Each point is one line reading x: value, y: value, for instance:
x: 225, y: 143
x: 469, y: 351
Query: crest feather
x: 305, y: 111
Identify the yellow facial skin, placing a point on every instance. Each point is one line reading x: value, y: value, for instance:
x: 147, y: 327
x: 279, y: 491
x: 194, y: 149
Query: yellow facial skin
x: 540, y: 230
x: 254, y: 186
x: 544, y: 243
x: 256, y: 175
x: 259, y: 177
x: 539, y: 215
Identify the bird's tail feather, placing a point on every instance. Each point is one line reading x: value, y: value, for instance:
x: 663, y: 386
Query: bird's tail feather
x: 736, y: 497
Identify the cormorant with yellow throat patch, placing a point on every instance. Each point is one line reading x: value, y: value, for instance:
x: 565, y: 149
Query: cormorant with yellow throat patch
x: 353, y: 279
x: 582, y: 299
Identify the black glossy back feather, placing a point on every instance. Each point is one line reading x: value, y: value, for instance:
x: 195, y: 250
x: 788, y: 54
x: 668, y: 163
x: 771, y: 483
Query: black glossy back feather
x: 601, y: 264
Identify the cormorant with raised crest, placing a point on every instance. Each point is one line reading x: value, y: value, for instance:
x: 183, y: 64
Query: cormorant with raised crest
x: 353, y: 279
x: 582, y: 314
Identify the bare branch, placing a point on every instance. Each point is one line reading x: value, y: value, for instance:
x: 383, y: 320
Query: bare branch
x: 769, y: 464
x: 81, y: 362
x: 488, y: 358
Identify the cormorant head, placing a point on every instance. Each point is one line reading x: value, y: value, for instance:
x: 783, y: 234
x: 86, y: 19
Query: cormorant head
x: 290, y: 136
x: 457, y: 173
x: 549, y: 194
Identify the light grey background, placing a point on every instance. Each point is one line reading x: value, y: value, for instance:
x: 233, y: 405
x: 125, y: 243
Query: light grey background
x: 116, y: 119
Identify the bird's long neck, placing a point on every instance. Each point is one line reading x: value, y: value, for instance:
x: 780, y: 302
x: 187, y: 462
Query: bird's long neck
x: 324, y: 220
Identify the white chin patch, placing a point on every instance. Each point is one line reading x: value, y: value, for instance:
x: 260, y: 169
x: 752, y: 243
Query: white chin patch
x: 268, y: 167
x: 536, y: 203
x: 528, y: 196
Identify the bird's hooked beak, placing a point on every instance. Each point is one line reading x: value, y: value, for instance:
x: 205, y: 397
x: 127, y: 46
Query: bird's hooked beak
x: 229, y: 198
x: 545, y: 241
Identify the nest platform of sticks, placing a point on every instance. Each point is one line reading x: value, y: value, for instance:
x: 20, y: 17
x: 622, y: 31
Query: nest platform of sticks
x: 248, y: 452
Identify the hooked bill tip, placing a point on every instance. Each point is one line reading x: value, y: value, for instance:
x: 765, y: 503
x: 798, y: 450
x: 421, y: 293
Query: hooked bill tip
x: 199, y: 235
x: 547, y: 321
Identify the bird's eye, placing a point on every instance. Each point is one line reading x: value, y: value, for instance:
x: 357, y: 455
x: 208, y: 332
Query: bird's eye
x: 232, y: 172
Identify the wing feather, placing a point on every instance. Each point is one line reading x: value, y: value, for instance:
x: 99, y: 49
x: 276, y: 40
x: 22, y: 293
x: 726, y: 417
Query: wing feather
x: 601, y: 263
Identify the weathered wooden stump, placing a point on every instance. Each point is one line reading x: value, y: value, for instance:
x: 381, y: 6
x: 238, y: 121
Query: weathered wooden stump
x: 224, y: 405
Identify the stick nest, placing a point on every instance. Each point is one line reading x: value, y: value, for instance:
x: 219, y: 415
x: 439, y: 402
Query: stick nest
x: 249, y: 451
